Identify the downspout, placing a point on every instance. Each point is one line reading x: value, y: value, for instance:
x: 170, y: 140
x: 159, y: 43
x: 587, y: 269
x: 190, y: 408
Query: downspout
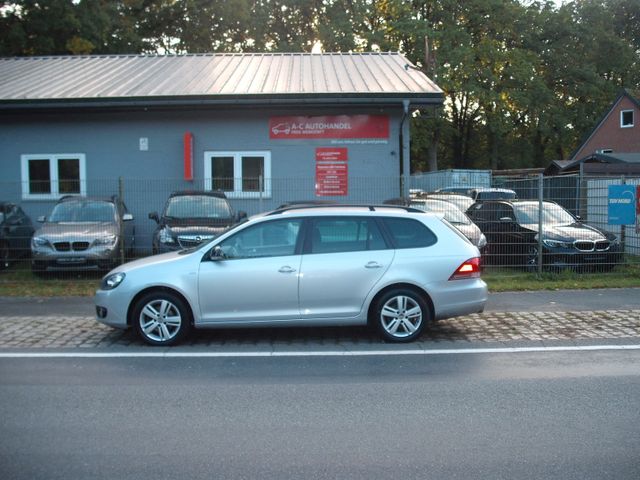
x: 404, y: 156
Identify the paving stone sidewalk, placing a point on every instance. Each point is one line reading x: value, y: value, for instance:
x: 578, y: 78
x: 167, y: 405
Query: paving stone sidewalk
x: 84, y: 332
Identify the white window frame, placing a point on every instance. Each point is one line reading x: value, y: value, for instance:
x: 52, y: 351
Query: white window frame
x: 237, y: 172
x: 53, y: 174
x: 633, y: 115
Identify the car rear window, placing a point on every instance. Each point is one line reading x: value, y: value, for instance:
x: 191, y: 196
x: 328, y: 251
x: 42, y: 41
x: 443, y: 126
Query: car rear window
x: 409, y: 233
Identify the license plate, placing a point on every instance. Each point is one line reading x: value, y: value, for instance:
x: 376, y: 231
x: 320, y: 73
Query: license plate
x: 72, y: 260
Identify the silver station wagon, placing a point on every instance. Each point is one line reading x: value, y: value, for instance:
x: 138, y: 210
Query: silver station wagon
x: 394, y: 268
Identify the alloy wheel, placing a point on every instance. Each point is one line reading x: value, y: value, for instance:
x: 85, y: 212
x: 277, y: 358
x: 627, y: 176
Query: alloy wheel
x: 401, y: 316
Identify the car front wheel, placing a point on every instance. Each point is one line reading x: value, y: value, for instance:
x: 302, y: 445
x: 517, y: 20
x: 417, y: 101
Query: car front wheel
x: 400, y: 315
x: 4, y: 255
x: 161, y: 318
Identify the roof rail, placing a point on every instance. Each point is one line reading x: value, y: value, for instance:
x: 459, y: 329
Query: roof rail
x: 372, y: 208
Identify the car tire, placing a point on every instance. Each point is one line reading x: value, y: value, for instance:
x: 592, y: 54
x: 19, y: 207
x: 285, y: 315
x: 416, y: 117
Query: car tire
x: 531, y: 260
x: 4, y: 255
x: 161, y: 318
x: 400, y: 315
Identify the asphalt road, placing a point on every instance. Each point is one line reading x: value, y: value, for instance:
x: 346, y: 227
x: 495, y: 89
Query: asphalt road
x: 499, y: 416
x: 539, y: 301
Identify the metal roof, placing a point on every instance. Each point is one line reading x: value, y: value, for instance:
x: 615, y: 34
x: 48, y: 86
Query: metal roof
x: 213, y: 79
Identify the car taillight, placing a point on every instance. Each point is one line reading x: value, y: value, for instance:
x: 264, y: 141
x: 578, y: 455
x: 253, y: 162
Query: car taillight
x: 469, y: 269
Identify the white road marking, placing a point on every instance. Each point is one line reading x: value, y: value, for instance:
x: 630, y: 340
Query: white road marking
x: 330, y: 353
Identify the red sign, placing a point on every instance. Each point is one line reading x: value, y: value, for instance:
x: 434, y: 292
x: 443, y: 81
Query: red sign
x: 337, y: 126
x: 330, y: 154
x: 188, y: 156
x: 332, y: 179
x: 332, y: 172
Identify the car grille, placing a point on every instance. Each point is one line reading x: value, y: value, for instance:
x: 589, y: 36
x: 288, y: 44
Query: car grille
x: 187, y: 241
x: 80, y: 246
x: 590, y: 245
x: 68, y: 246
x: 62, y: 246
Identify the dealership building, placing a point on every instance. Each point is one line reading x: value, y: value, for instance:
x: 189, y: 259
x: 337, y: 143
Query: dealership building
x: 263, y: 128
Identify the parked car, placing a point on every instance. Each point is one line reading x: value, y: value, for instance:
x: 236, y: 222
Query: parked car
x: 479, y: 194
x: 395, y: 268
x: 16, y: 230
x: 190, y: 218
x: 463, y: 202
x: 82, y: 233
x: 459, y: 190
x: 512, y: 229
x: 455, y: 217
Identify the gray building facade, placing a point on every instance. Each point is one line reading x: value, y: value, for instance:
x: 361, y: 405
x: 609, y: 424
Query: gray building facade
x: 265, y: 129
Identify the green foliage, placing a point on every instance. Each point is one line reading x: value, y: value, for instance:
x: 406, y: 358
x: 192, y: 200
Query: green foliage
x: 524, y: 81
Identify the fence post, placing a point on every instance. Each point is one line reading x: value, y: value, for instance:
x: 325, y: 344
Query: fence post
x: 260, y: 188
x: 120, y: 209
x: 540, y: 234
x: 623, y: 228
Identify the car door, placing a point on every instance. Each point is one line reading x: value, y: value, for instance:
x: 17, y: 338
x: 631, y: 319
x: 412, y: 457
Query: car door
x: 344, y: 257
x: 20, y: 229
x: 255, y: 278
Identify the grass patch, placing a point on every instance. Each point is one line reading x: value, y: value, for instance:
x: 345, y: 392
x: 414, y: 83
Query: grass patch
x: 18, y: 281
x: 504, y: 280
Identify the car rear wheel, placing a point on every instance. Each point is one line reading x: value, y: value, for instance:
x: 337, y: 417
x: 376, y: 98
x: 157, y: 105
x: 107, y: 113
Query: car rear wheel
x: 400, y: 315
x: 162, y: 318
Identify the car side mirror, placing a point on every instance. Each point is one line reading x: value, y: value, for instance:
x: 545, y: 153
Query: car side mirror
x: 241, y: 215
x: 154, y: 216
x: 127, y: 217
x: 42, y: 219
x: 216, y: 254
x: 579, y: 218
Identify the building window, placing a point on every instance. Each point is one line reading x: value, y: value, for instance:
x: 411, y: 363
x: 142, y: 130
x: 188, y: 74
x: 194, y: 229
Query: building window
x: 50, y: 176
x: 626, y: 118
x: 239, y: 174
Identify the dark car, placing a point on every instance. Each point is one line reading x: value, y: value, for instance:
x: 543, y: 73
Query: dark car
x: 16, y: 230
x: 83, y: 233
x: 511, y: 228
x: 190, y: 218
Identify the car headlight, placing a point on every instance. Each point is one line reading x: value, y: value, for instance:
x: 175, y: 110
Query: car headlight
x: 112, y: 281
x: 483, y: 241
x: 165, y: 236
x: 39, y: 242
x: 556, y: 243
x: 109, y: 241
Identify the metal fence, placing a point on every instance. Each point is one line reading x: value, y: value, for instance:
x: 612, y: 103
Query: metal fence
x: 45, y: 240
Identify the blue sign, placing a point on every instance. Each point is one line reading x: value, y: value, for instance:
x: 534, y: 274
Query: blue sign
x: 622, y: 204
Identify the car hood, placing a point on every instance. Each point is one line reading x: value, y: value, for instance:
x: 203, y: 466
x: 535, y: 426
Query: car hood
x: 150, y: 261
x: 573, y: 231
x: 64, y: 231
x: 208, y: 230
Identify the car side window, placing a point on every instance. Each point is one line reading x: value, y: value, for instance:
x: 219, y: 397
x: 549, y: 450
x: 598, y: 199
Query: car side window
x: 345, y: 234
x: 269, y: 239
x: 410, y: 233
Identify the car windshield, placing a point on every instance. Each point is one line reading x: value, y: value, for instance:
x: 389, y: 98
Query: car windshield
x: 552, y: 214
x: 452, y: 214
x: 197, y: 206
x: 83, y: 212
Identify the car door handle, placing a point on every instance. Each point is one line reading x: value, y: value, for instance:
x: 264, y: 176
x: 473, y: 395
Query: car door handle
x: 373, y: 265
x: 286, y: 269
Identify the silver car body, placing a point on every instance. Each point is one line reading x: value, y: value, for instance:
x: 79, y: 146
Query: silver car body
x: 301, y: 290
x: 82, y: 243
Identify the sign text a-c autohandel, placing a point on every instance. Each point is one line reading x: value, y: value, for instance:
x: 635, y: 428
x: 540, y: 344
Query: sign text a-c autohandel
x: 329, y: 127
